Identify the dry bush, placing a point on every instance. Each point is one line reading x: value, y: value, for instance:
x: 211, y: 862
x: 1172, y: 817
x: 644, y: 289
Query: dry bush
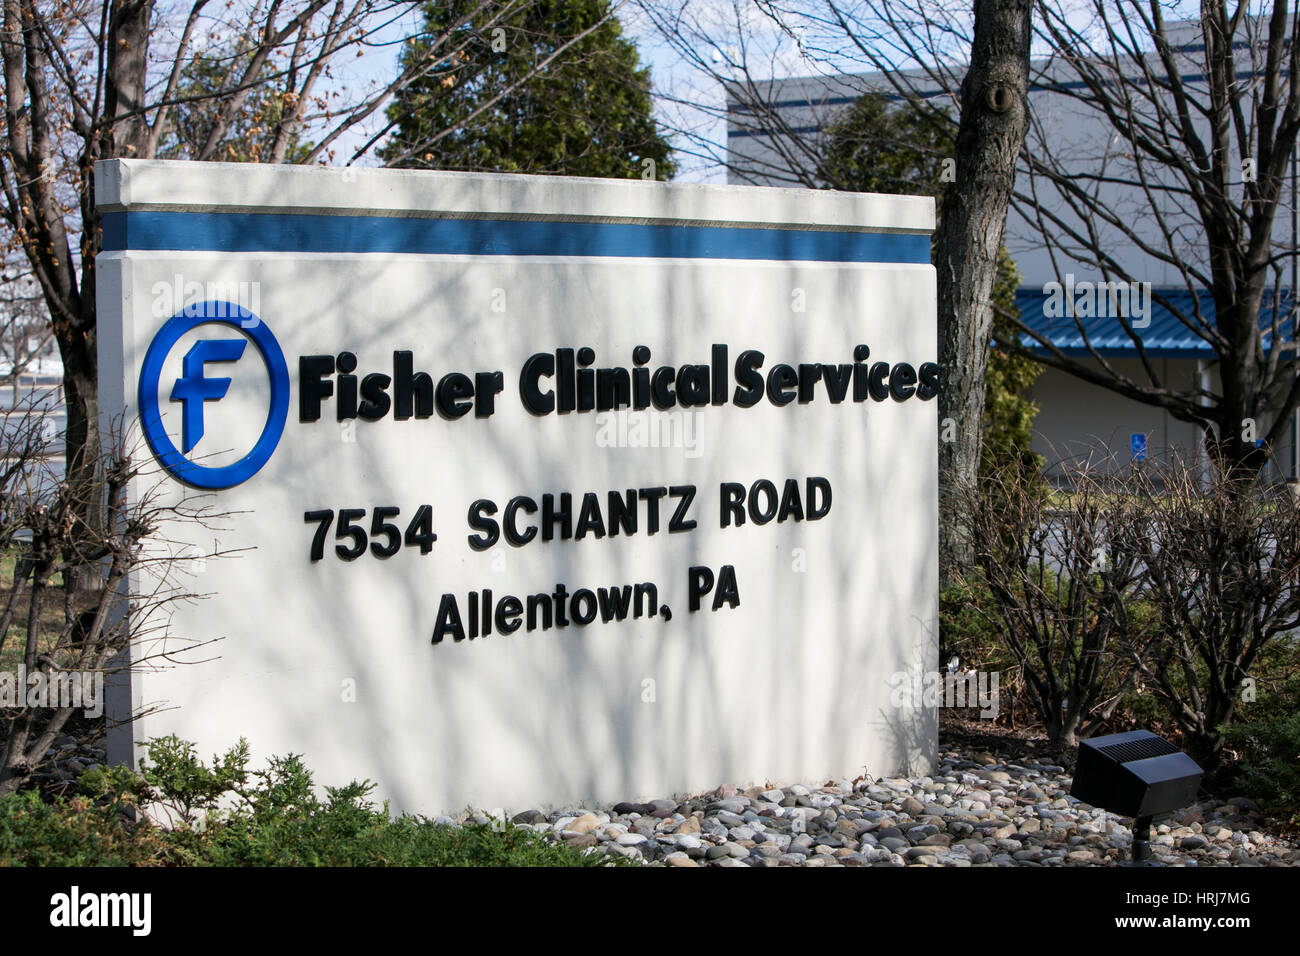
x: 1057, y: 575
x: 65, y: 617
x: 1221, y: 564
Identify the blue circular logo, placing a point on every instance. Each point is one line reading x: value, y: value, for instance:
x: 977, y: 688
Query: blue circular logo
x: 194, y: 389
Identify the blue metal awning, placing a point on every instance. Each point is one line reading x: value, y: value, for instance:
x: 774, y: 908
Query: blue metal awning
x: 1165, y: 335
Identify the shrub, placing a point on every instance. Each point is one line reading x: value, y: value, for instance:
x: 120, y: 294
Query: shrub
x: 1221, y: 562
x: 1270, y: 750
x: 968, y: 633
x: 1147, y: 592
x: 74, y: 832
x: 1058, y: 583
x: 228, y: 815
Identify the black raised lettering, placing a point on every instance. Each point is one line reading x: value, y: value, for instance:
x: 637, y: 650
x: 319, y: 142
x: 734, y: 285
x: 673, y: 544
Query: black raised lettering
x: 313, y: 385
x: 679, y: 522
x: 479, y: 520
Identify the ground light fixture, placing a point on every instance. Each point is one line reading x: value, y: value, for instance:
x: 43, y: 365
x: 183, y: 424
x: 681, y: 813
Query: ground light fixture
x: 1135, y: 774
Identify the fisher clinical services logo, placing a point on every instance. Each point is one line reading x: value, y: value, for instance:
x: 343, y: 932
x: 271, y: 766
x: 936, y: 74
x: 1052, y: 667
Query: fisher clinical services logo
x: 195, y: 389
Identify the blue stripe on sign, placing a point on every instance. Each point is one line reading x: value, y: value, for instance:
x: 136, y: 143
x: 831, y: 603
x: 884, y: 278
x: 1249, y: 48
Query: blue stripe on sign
x: 277, y: 232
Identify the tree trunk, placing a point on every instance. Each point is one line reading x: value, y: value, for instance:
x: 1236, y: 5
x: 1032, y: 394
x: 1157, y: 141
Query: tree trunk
x: 82, y: 446
x: 126, y: 134
x: 994, y: 118
x: 1206, y: 748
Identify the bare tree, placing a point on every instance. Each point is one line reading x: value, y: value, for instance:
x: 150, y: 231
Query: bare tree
x: 1156, y: 152
x: 971, y: 64
x: 86, y: 80
x: 58, y: 648
x: 994, y: 117
x: 1179, y: 169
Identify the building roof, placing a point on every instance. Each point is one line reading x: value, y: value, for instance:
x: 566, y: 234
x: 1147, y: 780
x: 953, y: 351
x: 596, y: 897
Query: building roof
x: 1166, y: 335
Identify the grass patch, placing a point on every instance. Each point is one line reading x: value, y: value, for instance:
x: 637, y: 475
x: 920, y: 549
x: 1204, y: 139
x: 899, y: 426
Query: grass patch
x: 52, y: 619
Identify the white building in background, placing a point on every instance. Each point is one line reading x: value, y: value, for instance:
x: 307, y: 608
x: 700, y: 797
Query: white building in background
x: 34, y: 398
x: 1074, y: 415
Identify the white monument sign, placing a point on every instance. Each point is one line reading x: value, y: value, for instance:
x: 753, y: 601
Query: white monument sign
x: 540, y: 490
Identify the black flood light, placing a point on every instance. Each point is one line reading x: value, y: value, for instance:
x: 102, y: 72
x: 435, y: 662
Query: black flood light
x: 1135, y: 774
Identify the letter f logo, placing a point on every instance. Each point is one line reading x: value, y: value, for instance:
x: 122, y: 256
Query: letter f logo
x: 194, y: 389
